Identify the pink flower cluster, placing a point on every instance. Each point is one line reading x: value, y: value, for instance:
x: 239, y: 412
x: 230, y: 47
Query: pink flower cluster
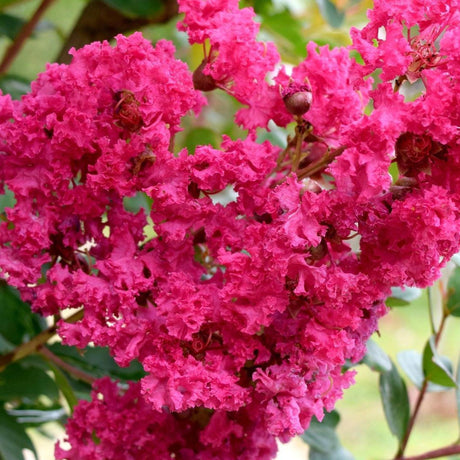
x: 241, y: 312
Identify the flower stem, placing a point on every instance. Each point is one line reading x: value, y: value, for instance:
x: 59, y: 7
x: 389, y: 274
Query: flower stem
x: 423, y: 390
x: 35, y: 343
x: 78, y: 373
x: 442, y: 452
x: 23, y: 35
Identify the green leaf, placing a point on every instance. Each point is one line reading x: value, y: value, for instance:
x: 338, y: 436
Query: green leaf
x: 395, y: 401
x: 10, y: 25
x: 287, y: 31
x: 135, y: 203
x: 7, y: 199
x: 201, y: 136
x: 330, y: 13
x: 97, y: 362
x: 17, y: 382
x: 13, y: 438
x: 435, y: 367
x: 338, y: 454
x: 453, y: 291
x: 411, y: 363
x: 64, y: 385
x: 18, y: 323
x: 136, y: 8
x: 14, y: 86
x: 323, y: 440
x: 376, y: 358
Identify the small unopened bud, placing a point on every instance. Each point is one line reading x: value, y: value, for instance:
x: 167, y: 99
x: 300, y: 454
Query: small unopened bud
x: 298, y: 103
x: 297, y: 99
x: 201, y: 81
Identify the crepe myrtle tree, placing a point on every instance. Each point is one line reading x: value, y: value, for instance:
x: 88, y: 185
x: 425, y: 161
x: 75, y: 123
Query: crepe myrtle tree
x: 235, y: 282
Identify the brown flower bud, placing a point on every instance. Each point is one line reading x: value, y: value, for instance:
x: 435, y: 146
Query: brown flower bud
x: 201, y: 81
x: 298, y: 103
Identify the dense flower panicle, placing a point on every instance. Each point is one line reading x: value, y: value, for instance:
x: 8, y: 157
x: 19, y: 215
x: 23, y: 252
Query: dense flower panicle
x: 247, y: 277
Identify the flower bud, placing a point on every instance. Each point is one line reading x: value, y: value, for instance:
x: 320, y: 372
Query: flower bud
x: 201, y: 81
x: 297, y: 99
x: 298, y: 103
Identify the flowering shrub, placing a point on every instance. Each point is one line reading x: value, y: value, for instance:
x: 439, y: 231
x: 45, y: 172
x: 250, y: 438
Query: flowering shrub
x: 242, y: 310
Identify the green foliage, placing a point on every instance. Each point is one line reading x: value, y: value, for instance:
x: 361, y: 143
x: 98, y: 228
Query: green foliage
x: 18, y: 323
x: 331, y: 13
x: 97, y: 362
x: 136, y: 8
x: 323, y: 440
x: 436, y: 368
x: 376, y: 358
x: 395, y: 401
x: 13, y: 438
x: 27, y: 384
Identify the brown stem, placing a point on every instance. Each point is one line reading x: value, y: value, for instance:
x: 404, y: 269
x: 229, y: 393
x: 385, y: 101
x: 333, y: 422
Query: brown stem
x: 448, y: 450
x: 418, y: 403
x: 98, y: 21
x: 320, y: 164
x: 66, y: 366
x: 35, y: 343
x: 403, y: 445
x: 23, y: 35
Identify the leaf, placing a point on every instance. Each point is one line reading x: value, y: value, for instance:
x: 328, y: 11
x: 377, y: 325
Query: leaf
x: 395, y: 401
x: 411, y: 363
x: 10, y: 25
x: 323, y: 440
x: 136, y: 8
x: 97, y: 362
x: 14, y: 86
x: 401, y: 297
x: 64, y: 386
x: 435, y: 367
x: 200, y: 136
x: 287, y: 31
x: 7, y: 199
x: 18, y: 323
x: 17, y: 382
x: 13, y: 438
x: 376, y: 358
x: 330, y: 13
x: 453, y: 291
x: 338, y: 454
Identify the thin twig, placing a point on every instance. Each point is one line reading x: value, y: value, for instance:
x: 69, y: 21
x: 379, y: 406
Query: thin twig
x: 423, y: 390
x: 35, y: 343
x: 442, y: 452
x: 23, y: 35
x: 78, y: 373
